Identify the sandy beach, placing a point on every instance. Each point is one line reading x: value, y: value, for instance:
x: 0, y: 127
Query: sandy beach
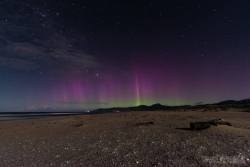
x: 122, y: 139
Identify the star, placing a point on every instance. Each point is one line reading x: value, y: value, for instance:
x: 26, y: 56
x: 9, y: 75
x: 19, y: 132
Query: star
x: 117, y: 22
x: 97, y: 75
x: 203, y: 55
x: 43, y: 15
x: 214, y: 10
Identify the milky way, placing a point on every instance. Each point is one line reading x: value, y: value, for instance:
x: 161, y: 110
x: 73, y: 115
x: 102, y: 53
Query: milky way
x: 77, y: 54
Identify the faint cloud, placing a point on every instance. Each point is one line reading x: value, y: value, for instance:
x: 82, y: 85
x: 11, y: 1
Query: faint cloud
x: 29, y: 56
x: 18, y: 64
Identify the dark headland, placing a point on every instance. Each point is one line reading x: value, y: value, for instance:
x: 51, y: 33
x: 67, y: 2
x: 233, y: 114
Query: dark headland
x: 240, y: 104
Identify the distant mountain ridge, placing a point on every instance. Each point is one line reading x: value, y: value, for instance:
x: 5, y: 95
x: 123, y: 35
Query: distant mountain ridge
x: 235, y: 103
x: 158, y: 107
x: 244, y: 101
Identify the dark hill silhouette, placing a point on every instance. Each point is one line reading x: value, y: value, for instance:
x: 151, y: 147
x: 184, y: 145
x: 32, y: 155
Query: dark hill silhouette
x: 154, y: 107
x: 245, y: 104
x: 234, y: 103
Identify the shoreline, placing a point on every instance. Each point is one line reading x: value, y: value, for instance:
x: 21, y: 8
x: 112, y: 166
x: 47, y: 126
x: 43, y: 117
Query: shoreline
x: 124, y: 139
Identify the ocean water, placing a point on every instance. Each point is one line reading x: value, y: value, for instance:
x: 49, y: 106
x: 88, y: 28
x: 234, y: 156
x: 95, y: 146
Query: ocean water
x: 11, y: 118
x: 30, y: 115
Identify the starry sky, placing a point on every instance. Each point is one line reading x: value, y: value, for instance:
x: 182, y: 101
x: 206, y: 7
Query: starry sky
x: 86, y: 54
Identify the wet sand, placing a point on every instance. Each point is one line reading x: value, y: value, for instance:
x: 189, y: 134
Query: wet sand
x: 123, y: 139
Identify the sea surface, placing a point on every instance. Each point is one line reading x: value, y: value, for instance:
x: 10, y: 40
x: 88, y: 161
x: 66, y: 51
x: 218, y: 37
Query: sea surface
x: 4, y: 116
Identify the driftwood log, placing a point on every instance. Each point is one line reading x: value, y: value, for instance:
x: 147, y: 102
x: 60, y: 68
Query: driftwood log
x: 199, y: 125
x: 208, y: 124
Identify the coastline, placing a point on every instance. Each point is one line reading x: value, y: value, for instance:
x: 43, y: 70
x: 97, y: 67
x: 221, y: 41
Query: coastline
x: 121, y: 139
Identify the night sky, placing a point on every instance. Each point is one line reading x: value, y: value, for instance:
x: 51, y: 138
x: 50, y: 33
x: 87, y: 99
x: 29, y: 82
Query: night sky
x: 84, y: 54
